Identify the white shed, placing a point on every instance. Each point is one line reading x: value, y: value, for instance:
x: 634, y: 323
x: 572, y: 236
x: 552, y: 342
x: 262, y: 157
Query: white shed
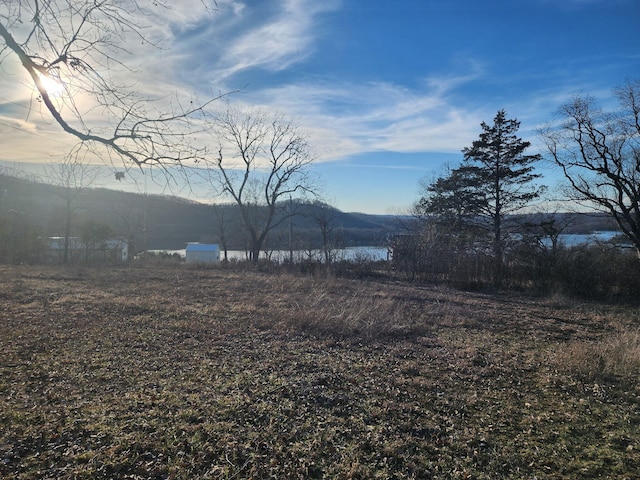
x: 202, y: 253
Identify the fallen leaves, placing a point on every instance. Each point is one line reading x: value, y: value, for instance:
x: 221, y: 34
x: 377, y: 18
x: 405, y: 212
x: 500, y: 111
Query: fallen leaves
x: 221, y: 374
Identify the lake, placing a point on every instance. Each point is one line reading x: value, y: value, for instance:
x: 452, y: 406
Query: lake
x: 353, y: 254
x: 342, y: 254
x: 575, y: 239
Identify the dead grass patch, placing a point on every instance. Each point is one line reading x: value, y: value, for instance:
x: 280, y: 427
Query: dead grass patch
x: 166, y: 372
x: 612, y: 356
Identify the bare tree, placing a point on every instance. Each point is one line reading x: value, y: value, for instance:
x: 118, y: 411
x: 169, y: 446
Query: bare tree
x: 76, y: 46
x: 599, y: 154
x: 262, y: 160
x: 73, y: 177
x: 129, y: 221
x: 223, y: 218
x: 93, y: 235
x: 324, y: 216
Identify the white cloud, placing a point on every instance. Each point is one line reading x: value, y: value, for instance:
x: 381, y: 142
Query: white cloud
x: 344, y: 119
x: 18, y: 124
x: 274, y: 44
x: 164, y: 23
x: 25, y: 141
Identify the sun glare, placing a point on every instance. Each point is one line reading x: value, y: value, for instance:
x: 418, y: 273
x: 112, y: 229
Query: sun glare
x: 53, y: 87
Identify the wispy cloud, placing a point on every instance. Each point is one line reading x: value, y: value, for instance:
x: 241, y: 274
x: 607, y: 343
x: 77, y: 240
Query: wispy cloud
x: 17, y: 124
x: 44, y: 144
x: 345, y: 119
x: 206, y: 46
x: 281, y: 36
x: 342, y: 118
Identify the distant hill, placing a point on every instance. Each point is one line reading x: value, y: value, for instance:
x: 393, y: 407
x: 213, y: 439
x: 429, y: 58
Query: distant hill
x: 166, y: 222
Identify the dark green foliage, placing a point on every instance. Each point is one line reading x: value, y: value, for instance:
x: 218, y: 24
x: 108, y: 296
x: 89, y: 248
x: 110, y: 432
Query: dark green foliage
x: 452, y: 199
x: 498, y: 170
x: 495, y: 179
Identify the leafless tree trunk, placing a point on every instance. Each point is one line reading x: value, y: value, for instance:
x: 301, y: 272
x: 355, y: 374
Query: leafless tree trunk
x: 129, y: 221
x: 222, y: 223
x: 324, y: 217
x: 599, y: 155
x: 261, y: 161
x: 73, y: 177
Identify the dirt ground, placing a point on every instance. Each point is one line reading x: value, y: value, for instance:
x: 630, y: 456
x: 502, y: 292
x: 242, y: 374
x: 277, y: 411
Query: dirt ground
x: 177, y: 373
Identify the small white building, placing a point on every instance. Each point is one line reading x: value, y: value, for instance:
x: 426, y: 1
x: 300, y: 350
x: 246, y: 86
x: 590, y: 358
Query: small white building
x: 202, y: 253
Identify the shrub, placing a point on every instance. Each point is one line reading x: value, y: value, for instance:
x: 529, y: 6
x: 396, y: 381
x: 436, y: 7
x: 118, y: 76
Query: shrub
x: 597, y: 273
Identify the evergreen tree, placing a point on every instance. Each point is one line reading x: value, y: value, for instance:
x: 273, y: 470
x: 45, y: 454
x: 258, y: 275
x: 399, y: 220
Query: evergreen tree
x: 452, y: 200
x: 495, y: 179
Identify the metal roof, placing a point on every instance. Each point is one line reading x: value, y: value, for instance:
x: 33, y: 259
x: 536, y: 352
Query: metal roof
x: 202, y: 247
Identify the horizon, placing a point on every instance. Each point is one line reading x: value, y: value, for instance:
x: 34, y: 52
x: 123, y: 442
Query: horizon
x: 388, y: 94
x: 33, y: 175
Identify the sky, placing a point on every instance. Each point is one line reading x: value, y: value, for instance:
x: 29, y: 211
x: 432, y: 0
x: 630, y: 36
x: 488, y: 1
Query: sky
x: 387, y: 92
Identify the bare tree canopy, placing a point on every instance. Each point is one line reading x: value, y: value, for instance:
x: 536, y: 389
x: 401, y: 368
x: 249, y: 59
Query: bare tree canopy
x: 70, y: 50
x: 73, y: 177
x: 262, y: 161
x: 599, y: 154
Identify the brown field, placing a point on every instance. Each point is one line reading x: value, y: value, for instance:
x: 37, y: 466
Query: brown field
x: 168, y: 372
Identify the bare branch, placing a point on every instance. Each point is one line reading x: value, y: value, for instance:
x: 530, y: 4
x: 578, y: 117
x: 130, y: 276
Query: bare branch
x: 598, y: 153
x: 80, y: 44
x: 261, y: 161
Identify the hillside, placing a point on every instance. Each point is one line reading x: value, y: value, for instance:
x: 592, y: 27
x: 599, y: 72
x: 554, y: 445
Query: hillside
x: 165, y: 222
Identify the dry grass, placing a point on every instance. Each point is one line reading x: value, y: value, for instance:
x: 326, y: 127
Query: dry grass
x: 612, y: 357
x: 191, y: 374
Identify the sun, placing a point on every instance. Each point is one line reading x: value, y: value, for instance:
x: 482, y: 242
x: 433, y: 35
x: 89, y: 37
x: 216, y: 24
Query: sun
x: 54, y: 87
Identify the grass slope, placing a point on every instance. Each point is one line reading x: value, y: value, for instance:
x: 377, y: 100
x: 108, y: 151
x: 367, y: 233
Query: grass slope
x: 193, y: 374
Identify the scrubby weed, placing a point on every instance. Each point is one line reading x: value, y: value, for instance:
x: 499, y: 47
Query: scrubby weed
x: 562, y: 301
x: 359, y: 312
x: 613, y: 356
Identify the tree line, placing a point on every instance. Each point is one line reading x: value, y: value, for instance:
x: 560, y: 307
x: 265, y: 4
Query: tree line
x: 32, y: 212
x: 466, y: 227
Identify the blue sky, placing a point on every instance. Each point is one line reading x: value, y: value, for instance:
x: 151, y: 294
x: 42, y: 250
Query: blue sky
x: 387, y: 91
